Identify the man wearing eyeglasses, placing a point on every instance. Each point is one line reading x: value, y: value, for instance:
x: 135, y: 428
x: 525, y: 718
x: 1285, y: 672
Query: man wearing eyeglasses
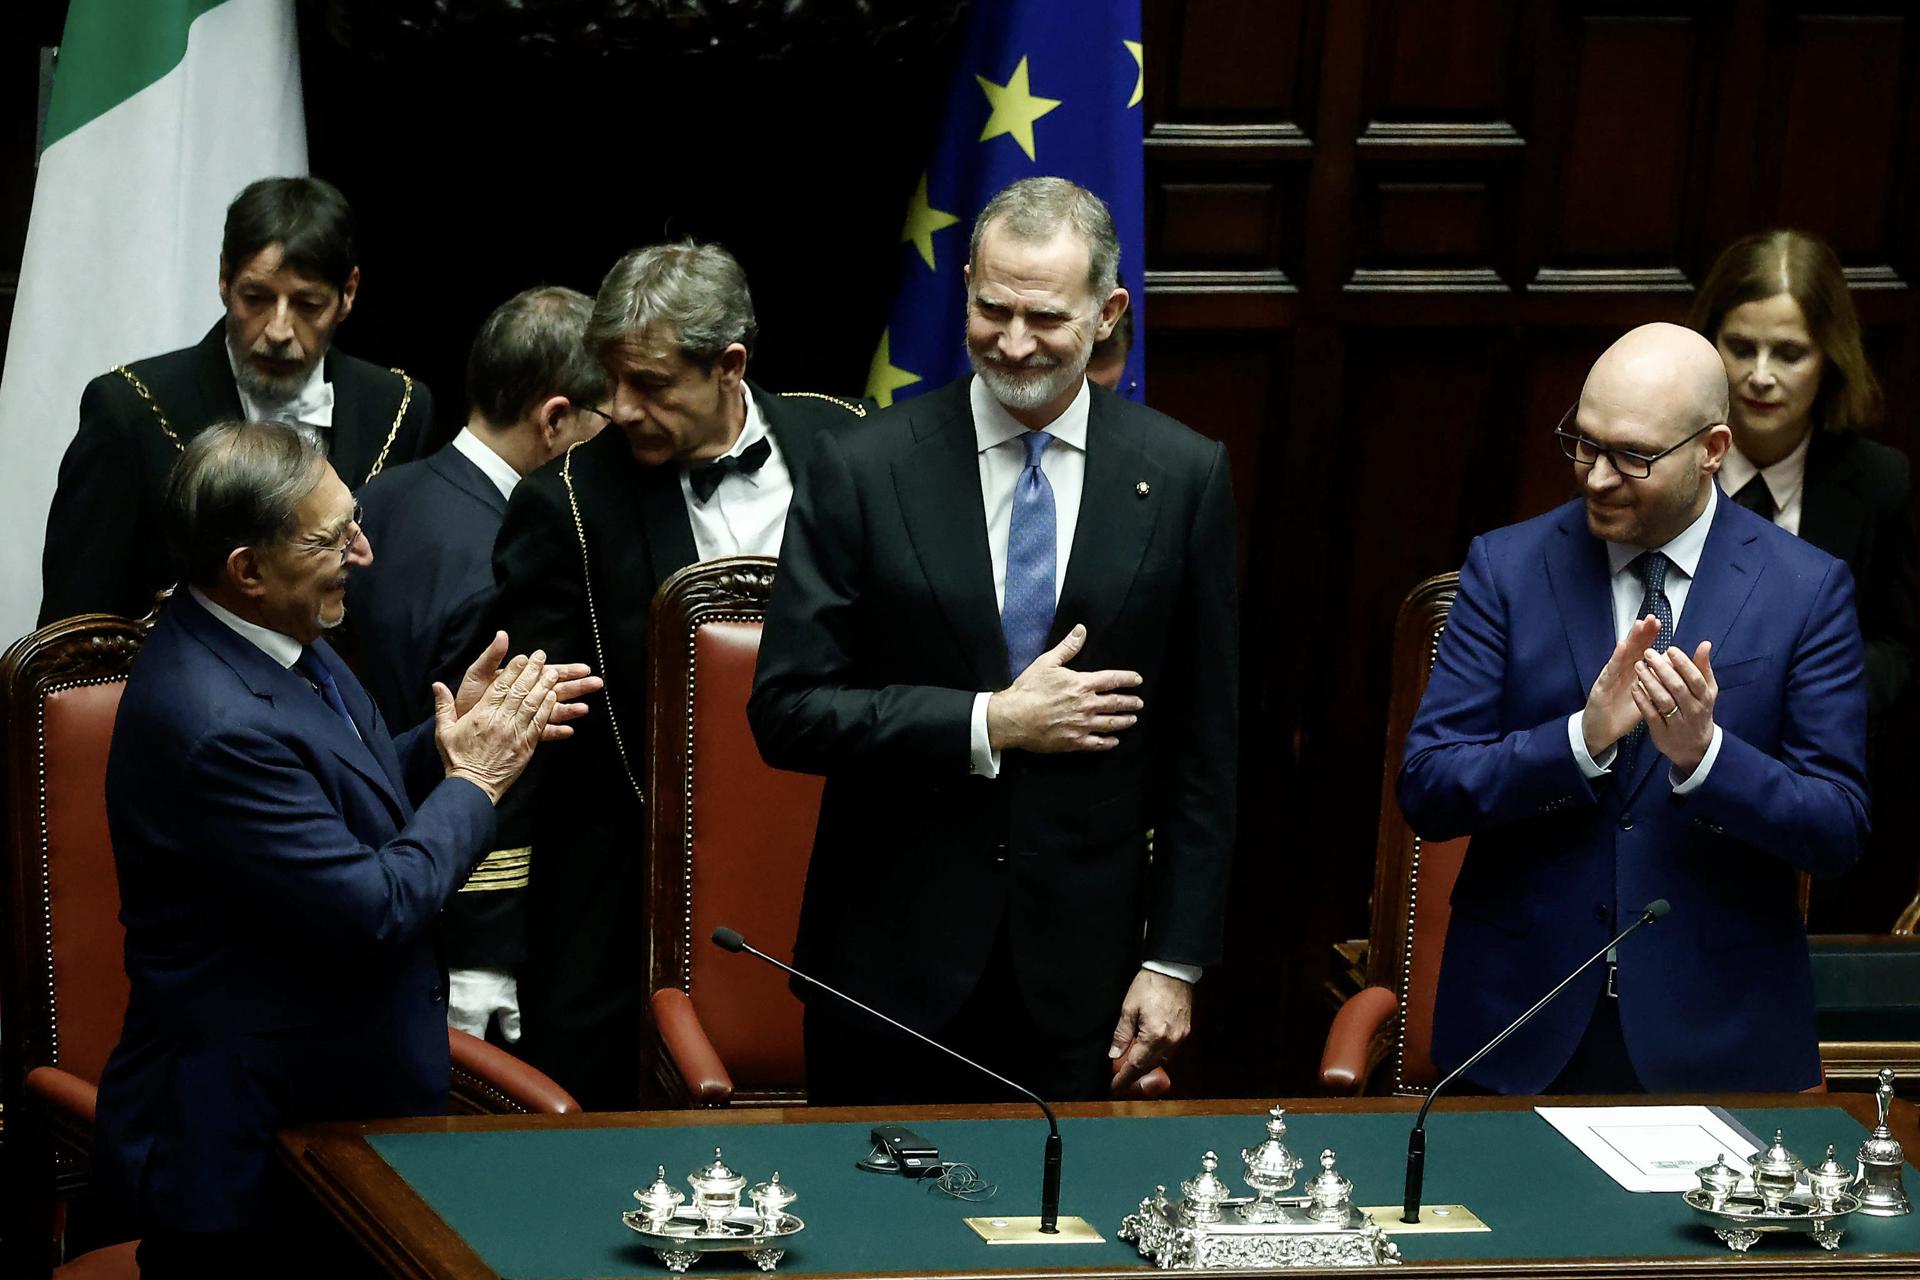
x: 1647, y: 693
x: 419, y: 610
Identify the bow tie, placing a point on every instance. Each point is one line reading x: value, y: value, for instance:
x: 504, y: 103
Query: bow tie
x: 749, y: 460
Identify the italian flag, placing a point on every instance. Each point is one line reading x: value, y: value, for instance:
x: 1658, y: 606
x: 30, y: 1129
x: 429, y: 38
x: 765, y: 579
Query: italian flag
x: 161, y: 111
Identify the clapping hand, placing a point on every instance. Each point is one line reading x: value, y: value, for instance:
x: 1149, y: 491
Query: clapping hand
x: 575, y: 681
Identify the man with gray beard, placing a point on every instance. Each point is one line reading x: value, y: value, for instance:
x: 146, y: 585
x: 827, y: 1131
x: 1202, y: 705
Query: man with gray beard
x: 289, y: 276
x: 1005, y: 630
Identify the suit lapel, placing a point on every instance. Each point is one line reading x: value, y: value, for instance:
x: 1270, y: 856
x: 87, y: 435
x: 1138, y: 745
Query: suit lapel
x: 1723, y: 581
x: 1115, y: 524
x: 788, y: 430
x: 213, y: 377
x: 459, y: 471
x: 347, y: 446
x: 1582, y: 586
x: 297, y: 704
x: 938, y: 485
x: 663, y: 509
x: 1830, y: 514
x: 371, y: 741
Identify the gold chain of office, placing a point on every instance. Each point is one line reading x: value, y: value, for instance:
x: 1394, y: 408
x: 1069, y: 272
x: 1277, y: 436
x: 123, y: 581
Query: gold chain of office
x: 160, y: 415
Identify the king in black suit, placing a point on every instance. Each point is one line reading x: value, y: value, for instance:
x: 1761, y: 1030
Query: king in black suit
x: 586, y: 541
x: 1010, y: 851
x: 287, y: 280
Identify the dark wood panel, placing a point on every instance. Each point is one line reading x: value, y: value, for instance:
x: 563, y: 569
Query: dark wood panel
x: 1627, y: 141
x: 1224, y: 224
x: 1842, y: 130
x: 1442, y: 61
x: 1252, y: 60
x: 1409, y: 220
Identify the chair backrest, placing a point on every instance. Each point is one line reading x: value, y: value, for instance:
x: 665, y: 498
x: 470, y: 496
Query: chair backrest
x: 1412, y: 878
x: 728, y: 838
x: 64, y: 988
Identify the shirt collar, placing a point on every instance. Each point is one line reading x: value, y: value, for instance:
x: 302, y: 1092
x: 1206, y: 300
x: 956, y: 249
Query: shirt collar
x: 752, y: 431
x: 492, y: 465
x: 312, y: 404
x: 283, y: 649
x: 1683, y: 550
x: 994, y: 426
x: 1783, y: 478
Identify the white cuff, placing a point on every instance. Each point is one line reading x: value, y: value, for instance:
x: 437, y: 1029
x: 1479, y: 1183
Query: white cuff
x: 1700, y: 770
x: 1577, y: 736
x: 985, y: 761
x: 1187, y: 973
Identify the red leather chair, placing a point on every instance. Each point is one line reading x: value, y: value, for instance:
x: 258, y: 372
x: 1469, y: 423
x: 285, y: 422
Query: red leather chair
x: 728, y: 840
x: 64, y: 987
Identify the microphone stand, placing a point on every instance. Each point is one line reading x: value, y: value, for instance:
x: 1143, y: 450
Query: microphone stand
x: 1417, y: 1140
x: 731, y: 940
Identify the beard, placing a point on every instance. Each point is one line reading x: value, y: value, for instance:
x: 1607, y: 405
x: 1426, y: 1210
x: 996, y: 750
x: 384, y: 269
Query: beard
x: 1032, y: 383
x: 259, y: 385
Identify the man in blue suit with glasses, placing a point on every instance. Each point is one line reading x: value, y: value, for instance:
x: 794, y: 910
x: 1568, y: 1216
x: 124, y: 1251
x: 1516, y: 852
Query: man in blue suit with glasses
x: 1646, y: 693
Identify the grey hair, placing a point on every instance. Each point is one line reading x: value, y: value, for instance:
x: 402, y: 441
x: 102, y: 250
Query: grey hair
x: 237, y: 484
x: 697, y: 290
x: 1034, y: 210
x: 531, y: 347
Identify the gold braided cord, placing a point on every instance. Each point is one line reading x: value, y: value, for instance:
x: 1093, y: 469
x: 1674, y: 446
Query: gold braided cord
x: 593, y: 622
x: 140, y: 389
x: 393, y: 432
x: 855, y: 408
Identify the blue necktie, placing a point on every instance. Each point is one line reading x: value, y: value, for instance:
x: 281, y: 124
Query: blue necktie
x: 310, y: 666
x: 1027, y: 612
x: 1651, y: 568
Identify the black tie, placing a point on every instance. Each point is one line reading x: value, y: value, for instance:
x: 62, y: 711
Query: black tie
x: 749, y: 460
x: 1651, y: 568
x: 1756, y: 497
x: 310, y: 666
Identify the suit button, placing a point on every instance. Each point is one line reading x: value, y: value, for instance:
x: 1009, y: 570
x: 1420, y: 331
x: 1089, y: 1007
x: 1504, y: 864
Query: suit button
x: 1600, y: 913
x: 438, y: 997
x: 1000, y: 852
x: 1626, y: 822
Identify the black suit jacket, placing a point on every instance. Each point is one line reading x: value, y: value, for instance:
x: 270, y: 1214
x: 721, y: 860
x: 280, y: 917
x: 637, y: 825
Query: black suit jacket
x: 417, y: 609
x: 583, y: 987
x: 1858, y: 507
x: 883, y: 627
x: 106, y: 550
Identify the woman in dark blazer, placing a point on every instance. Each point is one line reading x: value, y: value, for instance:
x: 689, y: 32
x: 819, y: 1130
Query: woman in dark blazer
x: 1776, y: 305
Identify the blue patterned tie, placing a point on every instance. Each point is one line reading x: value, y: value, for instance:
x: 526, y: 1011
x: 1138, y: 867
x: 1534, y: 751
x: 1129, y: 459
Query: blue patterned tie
x: 1027, y: 614
x: 310, y: 666
x: 1651, y: 568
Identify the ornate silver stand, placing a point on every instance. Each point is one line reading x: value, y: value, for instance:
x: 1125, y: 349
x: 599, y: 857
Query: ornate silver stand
x: 1211, y: 1227
x: 1779, y: 1195
x: 714, y: 1222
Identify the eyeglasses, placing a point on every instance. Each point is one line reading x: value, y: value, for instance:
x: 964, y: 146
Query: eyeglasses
x: 348, y: 536
x: 1634, y: 466
x: 601, y: 414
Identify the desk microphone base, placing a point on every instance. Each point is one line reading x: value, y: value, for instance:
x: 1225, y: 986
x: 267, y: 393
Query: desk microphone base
x: 1434, y: 1218
x: 999, y: 1230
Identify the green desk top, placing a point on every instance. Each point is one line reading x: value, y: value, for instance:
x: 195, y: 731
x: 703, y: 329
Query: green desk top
x: 546, y: 1205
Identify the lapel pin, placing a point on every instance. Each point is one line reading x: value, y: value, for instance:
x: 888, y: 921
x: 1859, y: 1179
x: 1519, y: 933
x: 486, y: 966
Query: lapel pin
x: 1143, y: 488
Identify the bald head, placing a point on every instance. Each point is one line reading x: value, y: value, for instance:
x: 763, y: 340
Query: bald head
x: 1652, y: 425
x: 1660, y: 376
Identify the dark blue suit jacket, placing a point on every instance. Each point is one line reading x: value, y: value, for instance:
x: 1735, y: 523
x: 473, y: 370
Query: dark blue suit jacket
x: 418, y: 608
x: 277, y: 885
x: 1717, y: 995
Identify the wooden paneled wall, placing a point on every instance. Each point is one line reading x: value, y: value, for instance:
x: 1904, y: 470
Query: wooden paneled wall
x: 1387, y: 239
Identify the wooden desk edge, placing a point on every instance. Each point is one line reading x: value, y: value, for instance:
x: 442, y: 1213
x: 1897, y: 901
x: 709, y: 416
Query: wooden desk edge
x: 336, y: 1165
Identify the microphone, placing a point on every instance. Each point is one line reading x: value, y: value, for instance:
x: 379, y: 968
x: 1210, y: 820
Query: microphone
x: 1417, y: 1140
x: 731, y: 940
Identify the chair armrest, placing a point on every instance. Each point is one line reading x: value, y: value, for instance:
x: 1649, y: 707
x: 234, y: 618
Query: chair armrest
x: 70, y: 1098
x: 692, y: 1054
x: 1348, y: 1057
x: 1154, y: 1084
x: 490, y: 1081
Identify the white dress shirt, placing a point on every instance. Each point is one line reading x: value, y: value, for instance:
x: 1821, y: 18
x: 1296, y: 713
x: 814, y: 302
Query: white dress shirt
x: 1683, y: 554
x: 311, y: 406
x: 283, y: 649
x: 492, y: 465
x: 747, y: 514
x: 1786, y: 480
x: 997, y: 437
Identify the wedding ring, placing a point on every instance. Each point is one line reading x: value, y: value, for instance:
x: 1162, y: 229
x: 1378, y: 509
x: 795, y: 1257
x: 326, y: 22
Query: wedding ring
x: 1670, y: 712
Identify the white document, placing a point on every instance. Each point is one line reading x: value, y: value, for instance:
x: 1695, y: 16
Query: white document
x: 1651, y: 1148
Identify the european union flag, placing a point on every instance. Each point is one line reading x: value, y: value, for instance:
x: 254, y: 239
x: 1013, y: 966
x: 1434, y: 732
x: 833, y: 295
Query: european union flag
x: 1038, y: 87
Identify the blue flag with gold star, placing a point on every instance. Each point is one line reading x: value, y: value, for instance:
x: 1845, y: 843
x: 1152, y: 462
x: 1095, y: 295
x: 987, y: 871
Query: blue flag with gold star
x: 1039, y: 87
